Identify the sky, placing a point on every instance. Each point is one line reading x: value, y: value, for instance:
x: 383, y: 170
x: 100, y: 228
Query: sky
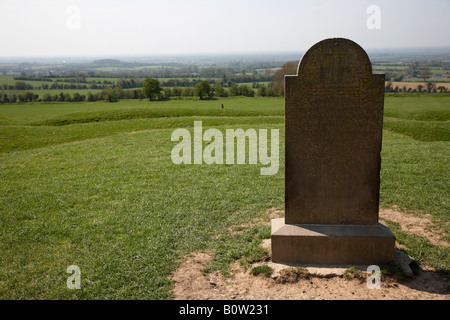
x: 140, y: 27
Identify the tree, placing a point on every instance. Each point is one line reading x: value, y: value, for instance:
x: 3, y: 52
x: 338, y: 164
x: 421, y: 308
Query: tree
x: 187, y: 92
x: 277, y: 83
x: 47, y: 97
x: 151, y: 88
x: 90, y: 97
x: 425, y: 73
x: 442, y: 89
x: 246, y: 91
x: 177, y: 92
x: 76, y: 97
x: 203, y: 89
x: 167, y: 92
x: 388, y: 87
x: 430, y: 87
x: 233, y: 90
x: 20, y: 85
x: 412, y: 69
x: 29, y: 96
x: 219, y: 91
x: 112, y: 95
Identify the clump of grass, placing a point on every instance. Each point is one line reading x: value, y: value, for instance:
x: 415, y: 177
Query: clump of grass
x: 353, y: 273
x: 264, y: 269
x: 293, y: 275
x: 392, y: 270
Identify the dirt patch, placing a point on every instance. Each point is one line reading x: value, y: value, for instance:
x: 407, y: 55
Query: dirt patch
x: 192, y: 284
x: 417, y: 225
x: 289, y: 282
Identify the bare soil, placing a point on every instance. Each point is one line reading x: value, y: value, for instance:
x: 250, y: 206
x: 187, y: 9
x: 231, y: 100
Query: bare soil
x: 422, y: 226
x: 314, y: 282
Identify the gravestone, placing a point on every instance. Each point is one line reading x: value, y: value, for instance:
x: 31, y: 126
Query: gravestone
x: 334, y: 123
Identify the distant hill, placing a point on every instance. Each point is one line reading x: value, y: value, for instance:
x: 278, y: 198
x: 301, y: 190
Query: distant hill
x: 109, y: 63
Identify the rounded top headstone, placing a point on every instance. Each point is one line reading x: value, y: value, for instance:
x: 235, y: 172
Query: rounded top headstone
x: 335, y: 61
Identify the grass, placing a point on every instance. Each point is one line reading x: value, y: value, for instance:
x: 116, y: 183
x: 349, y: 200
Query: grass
x: 93, y: 185
x: 33, y: 113
x: 422, y: 107
x: 127, y: 114
x: 419, y: 130
x: 120, y: 210
x: 245, y: 246
x: 390, y: 270
x: 353, y: 273
x: 37, y: 125
x: 414, y: 176
x: 422, y: 250
x: 292, y: 275
x: 264, y: 269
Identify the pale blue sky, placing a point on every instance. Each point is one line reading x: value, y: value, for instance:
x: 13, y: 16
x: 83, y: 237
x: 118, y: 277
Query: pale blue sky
x: 113, y: 27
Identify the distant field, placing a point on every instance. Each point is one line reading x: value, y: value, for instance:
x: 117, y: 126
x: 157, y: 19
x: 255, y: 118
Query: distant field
x: 93, y: 185
x: 38, y: 85
x: 413, y: 85
x: 441, y: 81
x: 9, y: 80
x: 390, y: 67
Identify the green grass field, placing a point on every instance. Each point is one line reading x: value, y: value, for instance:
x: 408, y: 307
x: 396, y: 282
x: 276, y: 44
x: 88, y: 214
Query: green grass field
x: 93, y: 185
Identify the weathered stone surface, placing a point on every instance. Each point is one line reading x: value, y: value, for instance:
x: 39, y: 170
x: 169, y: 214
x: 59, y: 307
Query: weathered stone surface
x: 334, y: 122
x: 334, y: 125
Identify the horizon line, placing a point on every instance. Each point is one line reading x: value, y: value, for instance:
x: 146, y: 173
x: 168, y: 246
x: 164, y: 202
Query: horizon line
x: 212, y: 53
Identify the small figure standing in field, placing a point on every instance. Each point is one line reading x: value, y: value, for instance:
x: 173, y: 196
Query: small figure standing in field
x: 222, y: 105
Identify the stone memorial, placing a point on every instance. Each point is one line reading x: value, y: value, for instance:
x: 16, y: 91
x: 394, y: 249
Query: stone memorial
x: 333, y: 131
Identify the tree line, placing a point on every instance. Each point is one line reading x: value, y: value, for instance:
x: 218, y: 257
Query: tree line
x: 111, y: 95
x: 151, y: 89
x: 121, y: 83
x: 429, y: 87
x: 154, y: 89
x: 204, y: 90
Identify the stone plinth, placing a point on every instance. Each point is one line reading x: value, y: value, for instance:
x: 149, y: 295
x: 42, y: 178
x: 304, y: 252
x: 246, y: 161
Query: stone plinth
x: 332, y: 244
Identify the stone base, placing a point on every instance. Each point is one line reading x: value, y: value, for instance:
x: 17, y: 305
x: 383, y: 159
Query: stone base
x: 332, y: 244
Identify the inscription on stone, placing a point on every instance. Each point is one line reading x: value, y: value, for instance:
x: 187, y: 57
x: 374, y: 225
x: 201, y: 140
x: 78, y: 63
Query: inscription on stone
x: 334, y: 121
